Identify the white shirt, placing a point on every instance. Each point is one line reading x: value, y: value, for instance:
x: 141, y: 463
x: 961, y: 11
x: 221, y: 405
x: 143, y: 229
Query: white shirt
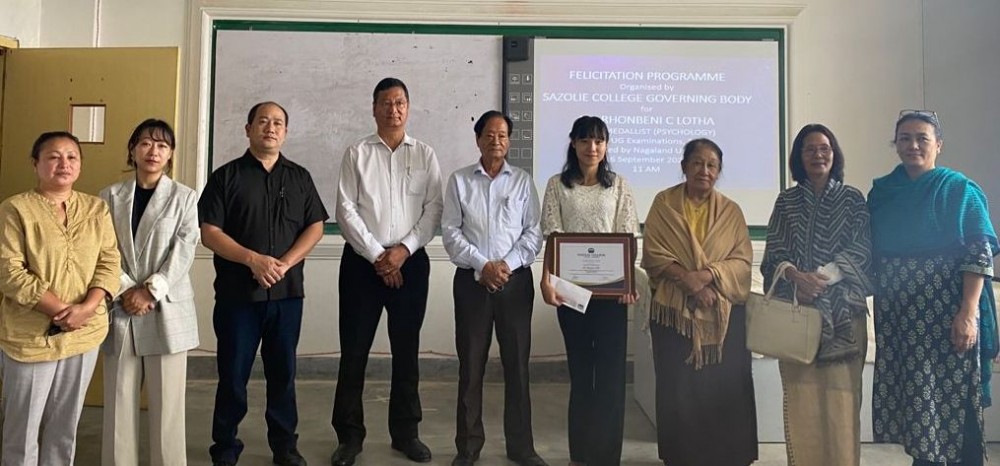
x: 487, y: 219
x: 388, y: 197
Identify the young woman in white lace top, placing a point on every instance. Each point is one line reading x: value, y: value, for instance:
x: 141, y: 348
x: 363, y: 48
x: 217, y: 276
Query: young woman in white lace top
x: 587, y: 197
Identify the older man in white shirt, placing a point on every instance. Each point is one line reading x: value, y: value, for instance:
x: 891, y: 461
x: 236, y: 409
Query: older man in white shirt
x: 490, y: 230
x: 389, y: 206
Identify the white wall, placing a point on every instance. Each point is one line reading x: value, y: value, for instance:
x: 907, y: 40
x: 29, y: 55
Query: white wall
x: 851, y: 66
x: 68, y: 23
x: 962, y: 83
x: 21, y: 19
x: 112, y: 23
x: 141, y: 23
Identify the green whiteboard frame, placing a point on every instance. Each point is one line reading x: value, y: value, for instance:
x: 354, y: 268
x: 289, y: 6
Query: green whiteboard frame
x: 775, y: 34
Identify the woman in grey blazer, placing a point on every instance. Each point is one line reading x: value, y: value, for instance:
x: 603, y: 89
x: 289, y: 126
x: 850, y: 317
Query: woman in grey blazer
x: 153, y: 322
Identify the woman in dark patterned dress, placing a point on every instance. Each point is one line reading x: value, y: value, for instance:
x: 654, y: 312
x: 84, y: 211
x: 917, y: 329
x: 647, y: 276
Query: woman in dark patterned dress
x: 820, y: 227
x: 935, y: 321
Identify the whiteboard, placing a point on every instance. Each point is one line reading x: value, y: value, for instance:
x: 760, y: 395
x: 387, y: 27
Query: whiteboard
x: 325, y: 81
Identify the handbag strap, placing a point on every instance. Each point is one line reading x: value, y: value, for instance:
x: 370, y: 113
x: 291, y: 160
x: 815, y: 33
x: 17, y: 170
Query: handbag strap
x: 779, y: 274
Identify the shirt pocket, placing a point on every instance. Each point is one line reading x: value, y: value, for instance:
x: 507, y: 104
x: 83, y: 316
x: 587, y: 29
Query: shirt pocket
x: 512, y: 211
x: 293, y: 207
x: 416, y: 183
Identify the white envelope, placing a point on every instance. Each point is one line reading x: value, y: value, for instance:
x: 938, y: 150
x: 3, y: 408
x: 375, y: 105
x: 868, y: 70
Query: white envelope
x: 574, y: 296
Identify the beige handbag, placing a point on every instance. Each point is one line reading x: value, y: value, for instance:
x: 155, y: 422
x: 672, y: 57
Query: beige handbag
x: 780, y: 329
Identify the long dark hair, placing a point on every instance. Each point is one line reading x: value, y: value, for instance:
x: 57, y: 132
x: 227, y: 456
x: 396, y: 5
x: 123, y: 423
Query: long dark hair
x: 583, y: 128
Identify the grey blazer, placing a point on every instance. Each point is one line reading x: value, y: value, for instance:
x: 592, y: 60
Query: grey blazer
x: 161, y: 254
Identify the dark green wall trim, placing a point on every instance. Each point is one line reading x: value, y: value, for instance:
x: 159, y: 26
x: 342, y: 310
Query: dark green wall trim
x: 580, y: 32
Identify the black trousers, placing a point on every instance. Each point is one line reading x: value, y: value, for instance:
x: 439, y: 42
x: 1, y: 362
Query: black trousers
x: 596, y: 344
x: 476, y: 312
x: 363, y: 295
x: 274, y: 326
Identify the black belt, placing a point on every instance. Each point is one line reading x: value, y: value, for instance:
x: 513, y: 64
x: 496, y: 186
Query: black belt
x: 515, y: 272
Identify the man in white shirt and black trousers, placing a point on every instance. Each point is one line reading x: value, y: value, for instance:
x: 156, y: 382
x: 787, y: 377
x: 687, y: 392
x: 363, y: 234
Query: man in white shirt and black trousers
x: 490, y: 230
x: 388, y: 209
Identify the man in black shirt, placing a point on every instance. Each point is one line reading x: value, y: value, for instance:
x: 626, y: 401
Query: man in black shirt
x: 261, y: 215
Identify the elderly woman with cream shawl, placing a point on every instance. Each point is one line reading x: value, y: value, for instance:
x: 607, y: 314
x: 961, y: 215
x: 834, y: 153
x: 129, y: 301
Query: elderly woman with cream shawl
x: 697, y: 253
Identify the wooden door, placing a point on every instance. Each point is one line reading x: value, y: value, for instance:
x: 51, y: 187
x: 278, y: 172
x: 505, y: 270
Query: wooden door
x: 43, y: 85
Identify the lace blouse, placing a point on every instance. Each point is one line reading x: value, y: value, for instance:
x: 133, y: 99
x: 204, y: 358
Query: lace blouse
x: 589, y: 209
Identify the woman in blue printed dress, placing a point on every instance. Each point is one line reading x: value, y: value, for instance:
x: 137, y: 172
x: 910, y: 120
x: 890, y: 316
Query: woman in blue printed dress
x: 935, y: 321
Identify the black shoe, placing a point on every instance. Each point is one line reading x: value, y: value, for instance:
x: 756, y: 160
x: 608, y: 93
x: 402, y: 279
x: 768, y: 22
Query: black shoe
x: 414, y: 449
x: 290, y: 458
x: 222, y: 463
x: 464, y: 460
x: 532, y: 460
x: 345, y: 454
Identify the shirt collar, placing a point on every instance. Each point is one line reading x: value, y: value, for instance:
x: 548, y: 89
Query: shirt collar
x: 375, y: 139
x: 249, y: 160
x: 503, y: 169
x: 69, y: 200
x: 830, y: 184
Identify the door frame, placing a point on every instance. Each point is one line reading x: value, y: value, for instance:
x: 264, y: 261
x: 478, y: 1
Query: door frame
x: 6, y: 43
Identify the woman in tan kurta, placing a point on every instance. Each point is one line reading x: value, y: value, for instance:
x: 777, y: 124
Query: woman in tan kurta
x: 58, y: 262
x: 697, y: 253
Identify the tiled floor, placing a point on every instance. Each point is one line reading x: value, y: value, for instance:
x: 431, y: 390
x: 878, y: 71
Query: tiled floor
x: 317, y: 442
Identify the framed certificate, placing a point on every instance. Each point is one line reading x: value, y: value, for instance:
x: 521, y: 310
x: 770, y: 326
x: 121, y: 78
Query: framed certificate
x: 600, y: 262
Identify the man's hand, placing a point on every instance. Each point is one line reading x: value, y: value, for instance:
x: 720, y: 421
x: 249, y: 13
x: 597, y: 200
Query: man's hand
x: 495, y: 275
x: 393, y: 280
x: 283, y: 268
x: 391, y: 260
x: 266, y: 269
x: 138, y: 301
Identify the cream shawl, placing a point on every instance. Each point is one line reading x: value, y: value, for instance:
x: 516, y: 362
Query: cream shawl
x: 726, y: 253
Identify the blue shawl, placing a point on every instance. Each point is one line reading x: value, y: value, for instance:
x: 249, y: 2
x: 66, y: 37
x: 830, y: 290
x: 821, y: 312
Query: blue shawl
x: 940, y: 212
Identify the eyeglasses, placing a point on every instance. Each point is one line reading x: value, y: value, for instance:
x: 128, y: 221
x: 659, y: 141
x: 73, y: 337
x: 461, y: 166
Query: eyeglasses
x: 401, y: 103
x: 924, y: 113
x: 824, y: 151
